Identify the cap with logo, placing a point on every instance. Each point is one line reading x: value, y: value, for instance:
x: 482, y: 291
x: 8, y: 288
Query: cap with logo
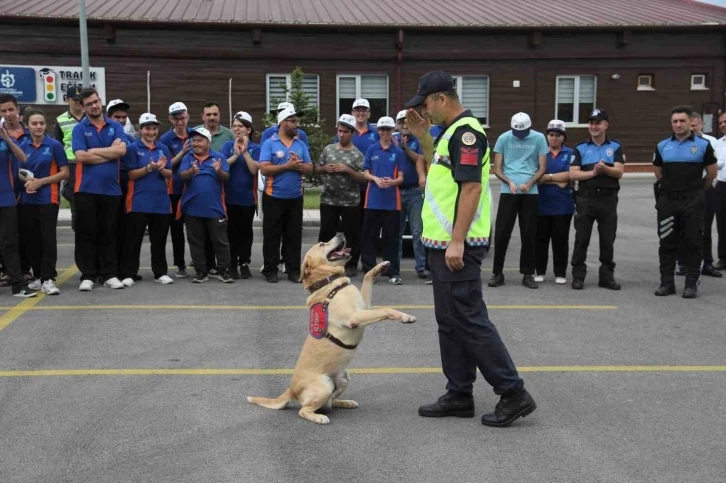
x: 386, y: 123
x: 200, y: 131
x: 73, y: 92
x: 556, y: 125
x: 348, y: 121
x: 244, y: 118
x: 147, y: 118
x: 117, y: 105
x: 521, y: 125
x: 284, y: 105
x: 401, y: 115
x: 361, y: 103
x: 431, y: 83
x: 285, y: 113
x: 599, y: 115
x: 177, y: 108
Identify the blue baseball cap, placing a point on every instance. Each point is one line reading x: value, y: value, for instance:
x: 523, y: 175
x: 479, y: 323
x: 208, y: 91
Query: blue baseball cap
x: 431, y: 83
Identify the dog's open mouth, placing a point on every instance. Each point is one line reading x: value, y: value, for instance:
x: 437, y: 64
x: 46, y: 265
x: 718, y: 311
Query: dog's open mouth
x: 339, y: 253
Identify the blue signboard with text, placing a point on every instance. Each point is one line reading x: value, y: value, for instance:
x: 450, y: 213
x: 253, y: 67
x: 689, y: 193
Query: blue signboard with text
x: 19, y: 82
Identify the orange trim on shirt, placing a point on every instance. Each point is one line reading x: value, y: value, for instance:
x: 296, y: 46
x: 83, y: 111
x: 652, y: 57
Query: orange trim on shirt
x: 398, y: 191
x: 368, y: 190
x: 178, y: 204
x: 10, y: 175
x: 17, y: 136
x: 270, y: 180
x: 79, y: 177
x: 254, y: 188
x: 130, y: 196
x: 360, y: 133
x: 98, y: 128
x: 54, y: 187
x: 170, y: 186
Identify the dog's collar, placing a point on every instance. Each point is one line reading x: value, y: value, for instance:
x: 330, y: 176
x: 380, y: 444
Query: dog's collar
x: 322, y: 283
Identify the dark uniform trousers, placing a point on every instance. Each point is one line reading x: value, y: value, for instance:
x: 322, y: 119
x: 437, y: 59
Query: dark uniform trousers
x: 96, y: 232
x: 240, y: 233
x: 346, y: 219
x: 599, y: 205
x: 386, y: 223
x: 511, y: 207
x: 467, y: 337
x: 37, y: 226
x: 720, y: 192
x: 136, y: 224
x: 9, y: 245
x: 67, y: 192
x: 281, y: 223
x: 680, y: 216
x: 711, y: 212
x: 199, y: 230
x: 176, y: 227
x: 557, y: 229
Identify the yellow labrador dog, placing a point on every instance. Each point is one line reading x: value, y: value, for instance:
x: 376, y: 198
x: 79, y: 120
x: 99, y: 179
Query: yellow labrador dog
x: 339, y: 314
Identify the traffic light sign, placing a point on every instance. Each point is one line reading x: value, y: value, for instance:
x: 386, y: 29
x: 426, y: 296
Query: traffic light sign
x: 50, y: 88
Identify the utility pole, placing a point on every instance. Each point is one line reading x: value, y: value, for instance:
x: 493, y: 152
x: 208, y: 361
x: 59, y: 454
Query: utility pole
x: 84, y: 44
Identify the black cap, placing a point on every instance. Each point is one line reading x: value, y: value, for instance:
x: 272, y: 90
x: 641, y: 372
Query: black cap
x: 431, y: 83
x: 599, y: 115
x: 73, y: 92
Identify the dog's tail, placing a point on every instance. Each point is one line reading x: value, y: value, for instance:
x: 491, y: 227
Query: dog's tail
x: 279, y: 402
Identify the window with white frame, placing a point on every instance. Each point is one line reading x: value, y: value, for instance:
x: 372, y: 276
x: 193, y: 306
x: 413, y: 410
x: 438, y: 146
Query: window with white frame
x: 645, y: 82
x: 278, y: 89
x: 473, y: 91
x: 698, y: 82
x: 374, y: 88
x: 575, y: 98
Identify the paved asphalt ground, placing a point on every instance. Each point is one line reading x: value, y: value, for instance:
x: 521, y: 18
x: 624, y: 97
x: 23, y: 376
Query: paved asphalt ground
x: 148, y: 384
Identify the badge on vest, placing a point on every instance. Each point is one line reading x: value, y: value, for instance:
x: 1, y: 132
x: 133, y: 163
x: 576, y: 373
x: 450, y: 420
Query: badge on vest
x: 468, y: 138
x: 609, y: 152
x: 318, y: 326
x: 694, y: 149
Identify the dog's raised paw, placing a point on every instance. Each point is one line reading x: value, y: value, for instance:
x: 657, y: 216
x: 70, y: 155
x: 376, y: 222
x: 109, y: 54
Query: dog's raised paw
x: 378, y: 269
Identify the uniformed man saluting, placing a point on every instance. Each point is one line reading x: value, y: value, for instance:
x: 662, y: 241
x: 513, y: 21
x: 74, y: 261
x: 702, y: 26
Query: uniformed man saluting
x: 679, y: 162
x: 456, y: 227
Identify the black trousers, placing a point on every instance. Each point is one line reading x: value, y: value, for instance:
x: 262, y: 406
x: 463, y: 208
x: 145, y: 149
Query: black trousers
x: 602, y: 208
x: 239, y: 228
x: 554, y: 228
x: 37, y: 226
x: 355, y: 250
x: 467, y: 338
x: 282, y: 223
x: 387, y: 223
x: 346, y: 219
x: 510, y: 207
x: 680, y: 217
x: 198, y: 229
x: 721, y: 219
x: 177, y: 233
x: 9, y: 246
x: 710, y: 213
x: 136, y: 225
x: 96, y: 232
x: 67, y: 192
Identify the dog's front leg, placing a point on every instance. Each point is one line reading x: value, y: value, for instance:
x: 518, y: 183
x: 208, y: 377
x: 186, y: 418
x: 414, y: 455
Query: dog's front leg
x: 361, y: 318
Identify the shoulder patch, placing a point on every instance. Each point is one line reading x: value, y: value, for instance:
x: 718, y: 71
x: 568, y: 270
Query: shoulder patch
x: 468, y: 138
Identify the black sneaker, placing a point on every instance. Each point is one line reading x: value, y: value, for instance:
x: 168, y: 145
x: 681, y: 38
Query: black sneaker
x: 227, y: 277
x: 666, y: 289
x: 497, y: 280
x: 680, y: 269
x: 25, y: 293
x: 509, y: 408
x: 690, y: 293
x: 528, y: 281
x: 235, y: 273
x: 609, y: 284
x: 709, y: 271
x: 423, y: 274
x: 293, y: 277
x: 578, y: 284
x: 450, y: 404
x: 200, y: 278
x: 214, y: 273
x: 351, y: 272
x: 271, y: 277
x: 244, y: 272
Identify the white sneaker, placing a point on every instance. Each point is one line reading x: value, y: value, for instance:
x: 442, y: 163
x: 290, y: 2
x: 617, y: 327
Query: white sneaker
x: 86, y: 286
x: 539, y: 278
x: 127, y: 282
x: 115, y: 283
x: 164, y: 280
x: 35, y: 285
x: 49, y: 288
x: 560, y: 280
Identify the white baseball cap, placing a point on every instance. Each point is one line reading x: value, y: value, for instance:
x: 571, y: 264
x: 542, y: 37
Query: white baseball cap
x: 200, y: 131
x: 557, y: 126
x: 284, y: 114
x: 118, y: 102
x: 243, y: 116
x: 347, y: 120
x: 148, y: 118
x: 401, y: 114
x: 361, y: 103
x: 177, y: 108
x: 386, y: 122
x: 521, y: 122
x: 284, y: 105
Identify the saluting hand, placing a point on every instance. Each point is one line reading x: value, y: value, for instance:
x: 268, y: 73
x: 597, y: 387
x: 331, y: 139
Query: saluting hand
x: 454, y: 256
x: 416, y: 124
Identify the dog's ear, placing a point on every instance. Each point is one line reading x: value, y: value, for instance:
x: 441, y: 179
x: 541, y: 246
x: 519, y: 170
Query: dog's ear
x: 304, y: 269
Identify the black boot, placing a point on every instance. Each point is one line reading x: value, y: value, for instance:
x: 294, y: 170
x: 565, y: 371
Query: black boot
x: 665, y: 289
x: 609, y: 284
x: 709, y: 271
x: 528, y: 281
x: 450, y: 404
x: 497, y: 280
x: 690, y: 292
x: 578, y: 284
x: 509, y: 408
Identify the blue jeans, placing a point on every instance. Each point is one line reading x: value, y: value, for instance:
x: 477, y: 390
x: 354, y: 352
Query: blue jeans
x: 411, y: 206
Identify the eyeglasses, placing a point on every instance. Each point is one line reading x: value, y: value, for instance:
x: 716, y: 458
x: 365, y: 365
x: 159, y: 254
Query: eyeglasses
x: 293, y: 121
x: 92, y: 103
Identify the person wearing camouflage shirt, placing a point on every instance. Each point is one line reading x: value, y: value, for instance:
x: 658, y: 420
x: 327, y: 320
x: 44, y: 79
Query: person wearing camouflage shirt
x: 341, y: 165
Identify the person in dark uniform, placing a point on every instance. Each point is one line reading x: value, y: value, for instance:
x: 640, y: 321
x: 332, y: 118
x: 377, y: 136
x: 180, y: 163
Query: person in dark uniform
x: 456, y: 228
x: 597, y: 165
x: 679, y: 162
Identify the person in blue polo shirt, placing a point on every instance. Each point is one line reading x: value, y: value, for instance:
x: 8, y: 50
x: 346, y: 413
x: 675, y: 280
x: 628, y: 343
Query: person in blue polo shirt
x: 45, y: 168
x: 98, y: 143
x: 597, y: 166
x: 204, y: 173
x: 10, y: 155
x: 383, y: 170
x: 555, y: 206
x: 267, y: 133
x: 414, y: 181
x: 284, y: 159
x: 147, y: 203
x: 240, y: 193
x: 177, y: 140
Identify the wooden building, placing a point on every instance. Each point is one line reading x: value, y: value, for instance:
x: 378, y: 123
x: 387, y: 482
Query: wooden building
x: 549, y: 59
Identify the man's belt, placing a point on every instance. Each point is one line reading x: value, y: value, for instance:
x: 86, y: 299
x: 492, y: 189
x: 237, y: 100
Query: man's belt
x: 598, y: 192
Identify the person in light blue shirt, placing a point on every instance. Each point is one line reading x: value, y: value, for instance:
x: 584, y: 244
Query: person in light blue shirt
x: 519, y: 161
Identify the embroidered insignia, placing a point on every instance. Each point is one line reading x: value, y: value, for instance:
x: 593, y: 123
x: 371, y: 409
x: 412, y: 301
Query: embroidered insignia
x: 280, y: 154
x: 469, y: 156
x: 318, y: 326
x: 468, y: 138
x: 694, y: 149
x: 609, y: 152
